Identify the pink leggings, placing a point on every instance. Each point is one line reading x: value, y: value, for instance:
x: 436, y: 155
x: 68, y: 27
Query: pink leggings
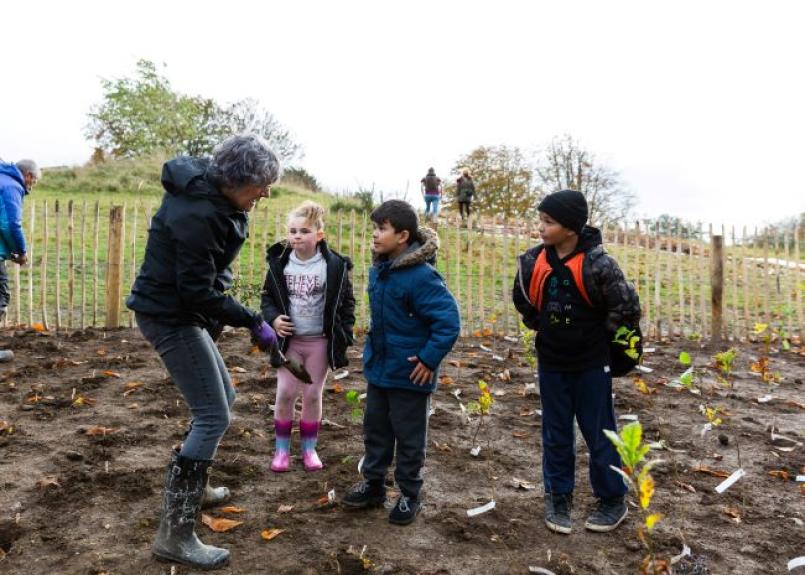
x: 312, y: 352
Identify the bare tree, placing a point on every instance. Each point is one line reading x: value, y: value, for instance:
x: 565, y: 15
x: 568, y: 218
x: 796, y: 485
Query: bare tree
x: 566, y: 165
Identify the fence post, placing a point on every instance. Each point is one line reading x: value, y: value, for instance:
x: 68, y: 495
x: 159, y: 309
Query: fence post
x: 114, y: 266
x: 717, y: 288
x: 57, y: 217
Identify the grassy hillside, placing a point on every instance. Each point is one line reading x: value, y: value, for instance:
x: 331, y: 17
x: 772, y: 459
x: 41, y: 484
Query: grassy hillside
x: 138, y: 180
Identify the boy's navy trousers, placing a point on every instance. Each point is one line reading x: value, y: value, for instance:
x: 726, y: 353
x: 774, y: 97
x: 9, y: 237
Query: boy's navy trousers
x: 587, y: 396
x: 395, y: 422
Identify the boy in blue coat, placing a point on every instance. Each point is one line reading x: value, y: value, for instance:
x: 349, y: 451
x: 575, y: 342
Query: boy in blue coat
x: 415, y: 322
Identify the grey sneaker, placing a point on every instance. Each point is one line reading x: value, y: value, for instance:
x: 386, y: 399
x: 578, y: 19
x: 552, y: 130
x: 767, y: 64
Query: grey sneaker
x: 557, y: 511
x: 607, y: 515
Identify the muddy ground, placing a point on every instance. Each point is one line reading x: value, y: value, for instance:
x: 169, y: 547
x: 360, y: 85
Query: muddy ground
x: 74, y: 499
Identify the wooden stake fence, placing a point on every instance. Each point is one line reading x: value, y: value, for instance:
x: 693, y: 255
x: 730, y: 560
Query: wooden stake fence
x: 669, y: 268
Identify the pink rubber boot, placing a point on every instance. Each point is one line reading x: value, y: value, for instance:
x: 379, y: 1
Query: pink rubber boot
x: 282, y: 456
x: 309, y: 433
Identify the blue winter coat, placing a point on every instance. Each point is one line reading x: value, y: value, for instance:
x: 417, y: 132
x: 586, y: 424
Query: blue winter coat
x: 12, y: 192
x: 413, y: 314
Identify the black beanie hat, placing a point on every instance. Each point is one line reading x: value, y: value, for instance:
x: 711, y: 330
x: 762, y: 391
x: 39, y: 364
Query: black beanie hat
x: 567, y: 207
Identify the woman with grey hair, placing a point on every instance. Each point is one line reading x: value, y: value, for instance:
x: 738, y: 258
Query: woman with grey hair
x: 181, y: 307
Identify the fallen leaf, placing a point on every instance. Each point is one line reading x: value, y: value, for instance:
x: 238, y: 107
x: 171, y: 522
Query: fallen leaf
x: 488, y: 332
x: 100, y: 352
x: 131, y: 387
x: 713, y: 472
x: 237, y: 369
x: 269, y: 534
x: 446, y: 380
x: 454, y: 363
x: 109, y: 373
x: 81, y: 401
x: 326, y: 500
x: 794, y: 403
x: 527, y: 412
x: 686, y: 486
x: 781, y: 473
x: 337, y: 388
x: 99, y: 430
x: 442, y: 446
x: 40, y: 327
x: 285, y: 509
x: 232, y: 509
x: 505, y: 375
x: 733, y: 513
x: 48, y: 481
x: 522, y: 484
x: 6, y: 427
x: 476, y: 333
x: 520, y: 434
x: 219, y: 525
x: 642, y: 386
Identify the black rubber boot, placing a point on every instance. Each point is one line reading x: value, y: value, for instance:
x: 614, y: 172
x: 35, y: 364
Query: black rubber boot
x: 176, y: 538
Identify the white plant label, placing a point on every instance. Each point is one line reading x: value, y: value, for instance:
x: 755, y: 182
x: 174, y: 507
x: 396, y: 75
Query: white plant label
x: 628, y: 417
x: 727, y: 483
x: 475, y: 451
x: 341, y: 375
x: 798, y: 562
x: 643, y: 368
x: 482, y: 509
x: 360, y: 464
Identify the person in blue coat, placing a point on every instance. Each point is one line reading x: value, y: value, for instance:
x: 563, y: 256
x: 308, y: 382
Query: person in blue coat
x: 415, y: 323
x: 16, y: 181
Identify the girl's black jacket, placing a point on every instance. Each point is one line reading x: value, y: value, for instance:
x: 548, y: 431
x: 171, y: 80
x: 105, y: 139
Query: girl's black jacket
x: 339, y: 306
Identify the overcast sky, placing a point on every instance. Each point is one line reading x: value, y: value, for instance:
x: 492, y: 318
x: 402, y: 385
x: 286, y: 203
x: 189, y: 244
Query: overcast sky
x: 700, y: 105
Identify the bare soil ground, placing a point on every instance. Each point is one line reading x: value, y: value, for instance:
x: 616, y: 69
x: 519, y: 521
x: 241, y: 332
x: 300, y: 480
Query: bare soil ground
x: 74, y: 499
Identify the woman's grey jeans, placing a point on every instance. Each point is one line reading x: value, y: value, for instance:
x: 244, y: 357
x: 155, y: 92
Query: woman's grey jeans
x: 197, y: 369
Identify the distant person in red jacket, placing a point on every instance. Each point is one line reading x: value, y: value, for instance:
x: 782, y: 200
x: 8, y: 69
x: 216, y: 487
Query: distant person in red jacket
x: 432, y: 192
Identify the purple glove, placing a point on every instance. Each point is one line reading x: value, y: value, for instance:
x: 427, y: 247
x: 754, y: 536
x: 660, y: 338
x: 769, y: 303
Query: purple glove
x: 264, y: 336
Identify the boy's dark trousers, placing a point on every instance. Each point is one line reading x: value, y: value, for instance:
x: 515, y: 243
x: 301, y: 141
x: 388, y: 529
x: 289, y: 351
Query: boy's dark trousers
x: 587, y: 395
x: 395, y: 417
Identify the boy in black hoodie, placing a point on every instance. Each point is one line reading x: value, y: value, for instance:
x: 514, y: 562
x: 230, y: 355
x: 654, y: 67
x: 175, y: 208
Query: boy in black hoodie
x: 575, y: 296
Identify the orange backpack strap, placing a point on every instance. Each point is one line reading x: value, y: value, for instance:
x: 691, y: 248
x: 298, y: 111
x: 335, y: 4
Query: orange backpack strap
x: 575, y: 265
x: 542, y: 269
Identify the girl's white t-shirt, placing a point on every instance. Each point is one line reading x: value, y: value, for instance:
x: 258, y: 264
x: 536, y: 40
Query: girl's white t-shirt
x: 306, y: 281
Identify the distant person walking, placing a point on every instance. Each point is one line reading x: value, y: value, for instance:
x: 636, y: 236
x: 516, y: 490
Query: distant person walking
x: 432, y: 192
x: 465, y: 192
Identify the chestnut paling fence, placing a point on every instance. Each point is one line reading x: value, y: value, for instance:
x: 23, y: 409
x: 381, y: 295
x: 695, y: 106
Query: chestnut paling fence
x: 83, y: 258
